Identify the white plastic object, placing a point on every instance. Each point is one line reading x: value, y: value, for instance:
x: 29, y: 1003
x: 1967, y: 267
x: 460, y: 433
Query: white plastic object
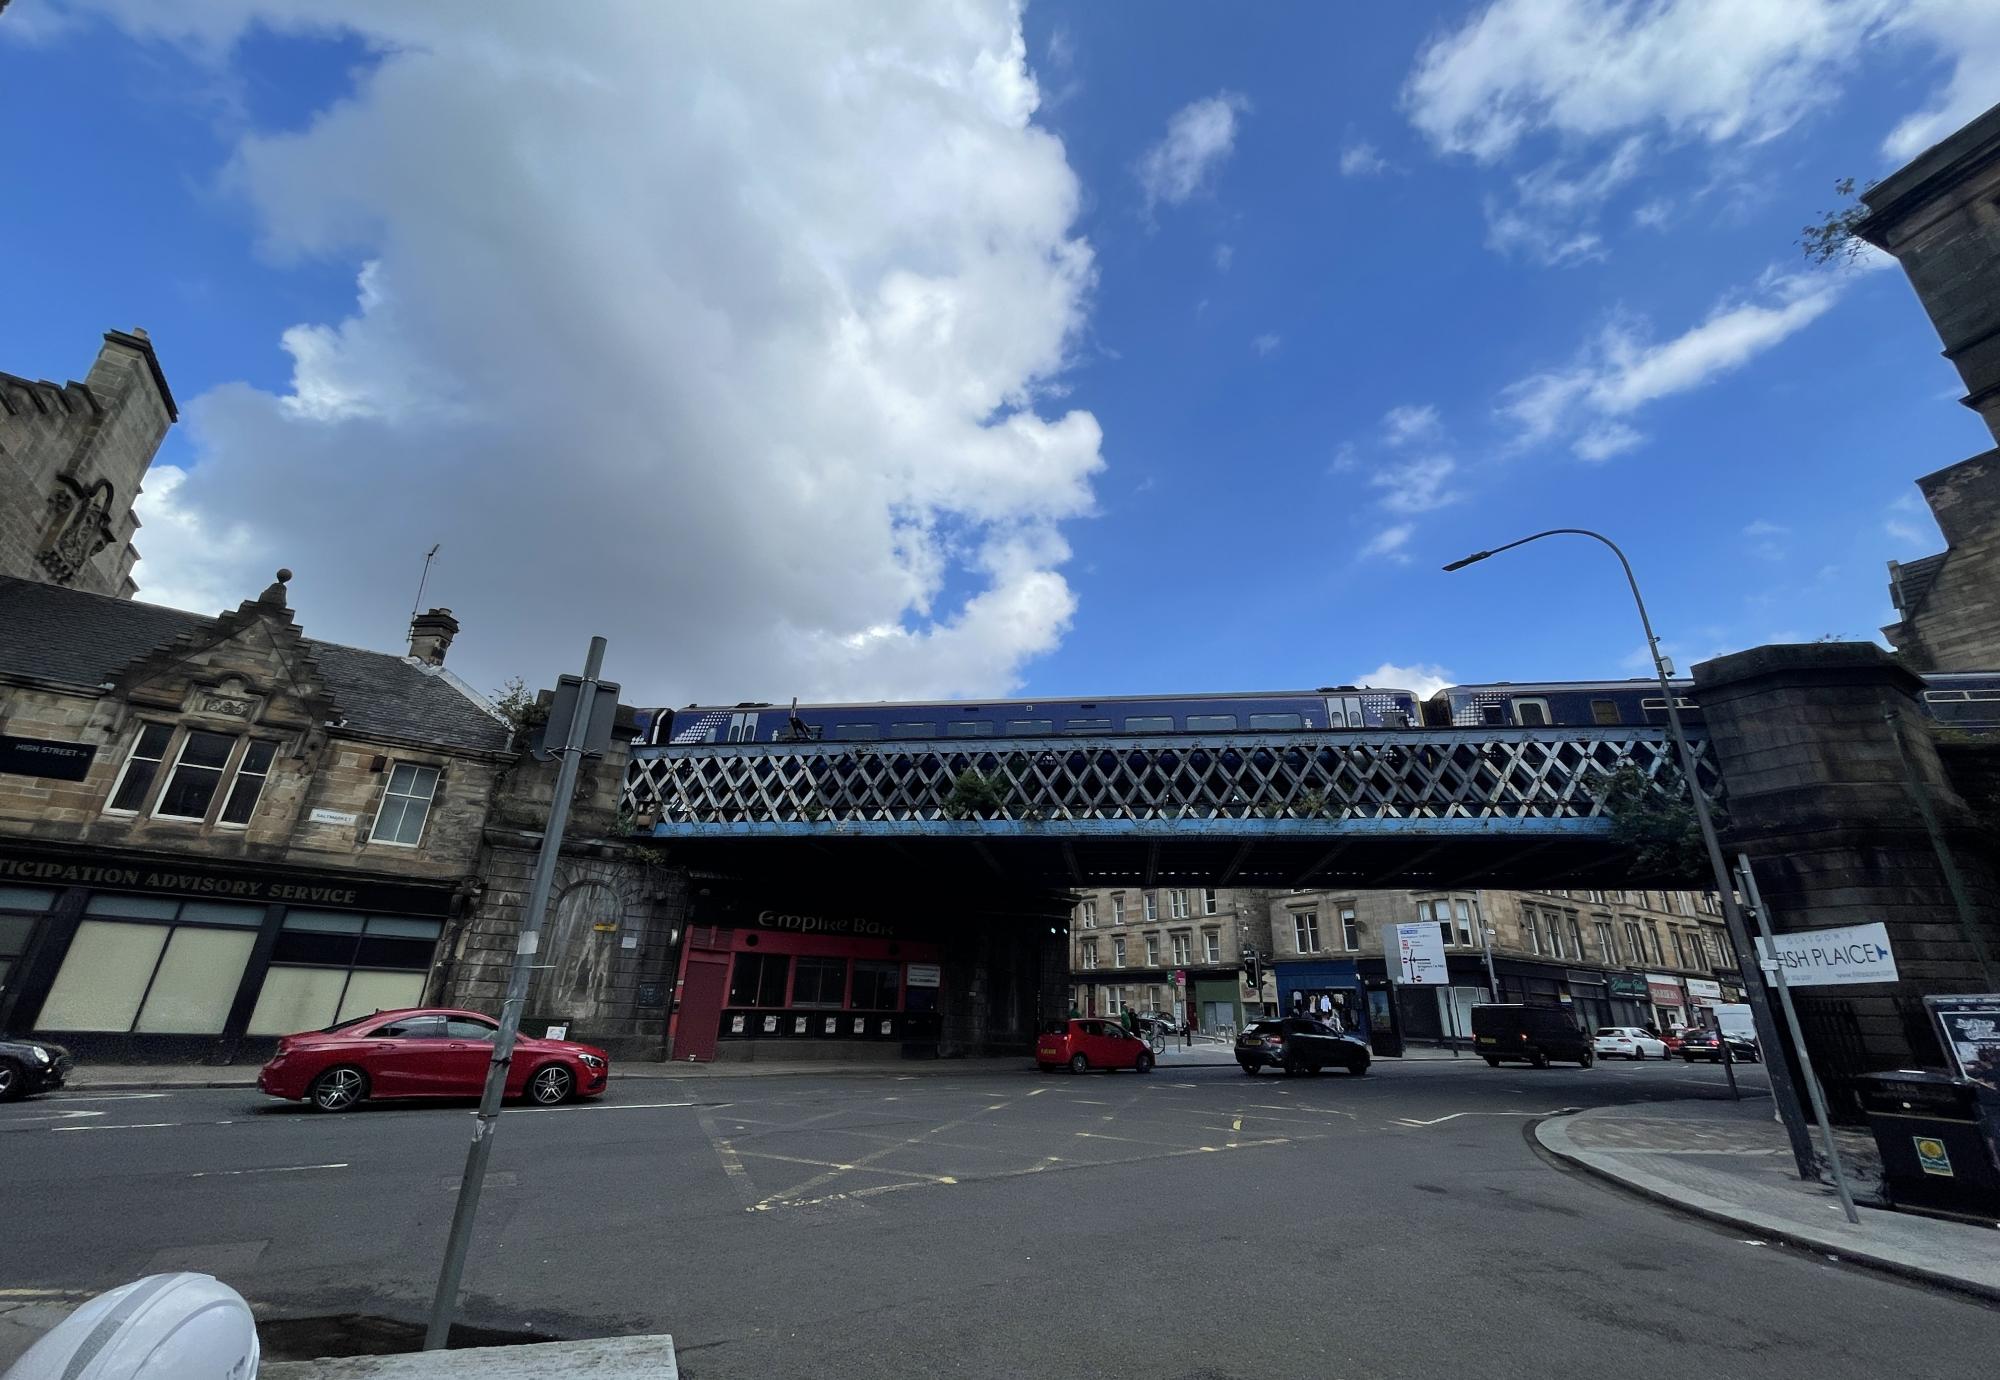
x: 182, y: 1326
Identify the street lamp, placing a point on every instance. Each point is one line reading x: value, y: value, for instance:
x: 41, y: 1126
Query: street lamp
x: 1760, y: 1008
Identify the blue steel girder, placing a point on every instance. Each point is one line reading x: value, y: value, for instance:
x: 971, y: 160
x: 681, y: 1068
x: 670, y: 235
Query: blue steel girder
x: 1441, y: 783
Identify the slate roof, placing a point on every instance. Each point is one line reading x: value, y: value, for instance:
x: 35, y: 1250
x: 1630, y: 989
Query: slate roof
x: 1914, y: 580
x: 58, y: 634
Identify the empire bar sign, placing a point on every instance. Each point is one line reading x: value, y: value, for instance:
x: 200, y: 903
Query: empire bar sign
x: 823, y: 924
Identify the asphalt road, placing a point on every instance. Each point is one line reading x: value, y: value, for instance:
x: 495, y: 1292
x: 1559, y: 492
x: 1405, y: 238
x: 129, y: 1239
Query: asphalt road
x: 1190, y: 1223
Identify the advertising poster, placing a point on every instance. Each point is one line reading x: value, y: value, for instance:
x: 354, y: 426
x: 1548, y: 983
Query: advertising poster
x: 1969, y: 1028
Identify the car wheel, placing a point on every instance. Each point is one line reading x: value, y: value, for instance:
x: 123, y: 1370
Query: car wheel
x: 552, y: 1085
x: 1250, y: 1069
x: 1588, y: 1059
x: 1491, y: 1062
x: 1314, y: 1068
x: 1078, y: 1064
x: 1539, y: 1059
x: 1686, y: 1058
x: 338, y: 1089
x: 13, y: 1080
x: 1359, y: 1068
x: 1145, y: 1064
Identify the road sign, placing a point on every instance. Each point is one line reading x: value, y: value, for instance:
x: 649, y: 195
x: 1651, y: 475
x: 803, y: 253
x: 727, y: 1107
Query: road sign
x: 1831, y: 958
x: 1416, y: 954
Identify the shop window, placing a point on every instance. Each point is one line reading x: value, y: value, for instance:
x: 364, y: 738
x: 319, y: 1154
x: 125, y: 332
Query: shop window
x: 141, y: 768
x: 196, y: 982
x: 406, y: 804
x: 104, y: 977
x: 177, y: 976
x: 877, y: 986
x: 330, y: 966
x: 28, y: 903
x: 759, y: 980
x: 819, y: 982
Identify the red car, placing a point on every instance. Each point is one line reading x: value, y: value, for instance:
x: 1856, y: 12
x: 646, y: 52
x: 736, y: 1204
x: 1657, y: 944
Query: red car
x: 425, y: 1052
x: 1086, y: 1044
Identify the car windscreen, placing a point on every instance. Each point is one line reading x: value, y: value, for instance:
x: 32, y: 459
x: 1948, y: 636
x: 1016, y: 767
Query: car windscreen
x: 1264, y: 1028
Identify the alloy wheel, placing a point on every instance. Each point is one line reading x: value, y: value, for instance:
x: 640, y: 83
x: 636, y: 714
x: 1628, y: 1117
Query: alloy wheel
x: 338, y: 1089
x: 551, y: 1085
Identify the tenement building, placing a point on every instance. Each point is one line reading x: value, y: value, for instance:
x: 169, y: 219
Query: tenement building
x: 1181, y: 951
x: 216, y: 830
x: 71, y: 460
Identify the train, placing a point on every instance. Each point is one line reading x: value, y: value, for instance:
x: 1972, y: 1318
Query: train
x: 1968, y: 699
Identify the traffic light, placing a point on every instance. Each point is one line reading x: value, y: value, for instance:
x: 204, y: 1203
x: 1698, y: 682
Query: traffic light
x: 1255, y: 964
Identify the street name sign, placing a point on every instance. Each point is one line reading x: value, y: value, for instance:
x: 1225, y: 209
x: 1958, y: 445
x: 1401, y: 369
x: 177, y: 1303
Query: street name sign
x: 1416, y: 954
x: 1831, y: 958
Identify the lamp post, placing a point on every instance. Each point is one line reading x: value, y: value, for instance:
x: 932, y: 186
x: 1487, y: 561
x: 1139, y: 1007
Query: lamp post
x: 1782, y: 1091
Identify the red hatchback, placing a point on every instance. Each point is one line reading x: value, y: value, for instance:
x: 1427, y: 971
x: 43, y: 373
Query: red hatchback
x: 426, y: 1052
x: 1086, y: 1044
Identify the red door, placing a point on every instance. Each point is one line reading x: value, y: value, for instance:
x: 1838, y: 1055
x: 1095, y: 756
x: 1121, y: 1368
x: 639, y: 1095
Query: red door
x: 700, y: 1015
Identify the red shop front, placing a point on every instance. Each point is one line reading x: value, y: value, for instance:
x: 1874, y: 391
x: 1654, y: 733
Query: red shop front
x: 785, y: 986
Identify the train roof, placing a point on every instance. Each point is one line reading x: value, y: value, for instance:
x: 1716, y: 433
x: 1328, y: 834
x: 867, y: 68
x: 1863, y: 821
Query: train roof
x: 1533, y: 687
x: 1056, y: 699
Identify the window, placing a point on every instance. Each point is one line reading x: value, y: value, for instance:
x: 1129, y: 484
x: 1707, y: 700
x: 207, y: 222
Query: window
x: 1552, y: 928
x: 1275, y: 723
x: 1152, y: 905
x: 190, y: 787
x: 1152, y: 951
x: 1114, y: 1004
x: 1531, y: 931
x: 856, y: 733
x: 759, y: 979
x: 1088, y: 953
x: 411, y: 1028
x: 1635, y: 950
x: 1150, y: 723
x: 469, y: 1028
x: 1030, y: 728
x: 1152, y: 999
x: 1438, y: 912
x: 1532, y: 713
x: 140, y: 768
x: 1211, y: 945
x: 1350, y: 932
x: 1181, y: 949
x: 1575, y: 937
x: 819, y: 982
x: 1210, y: 902
x: 1211, y: 723
x: 406, y: 804
x: 1087, y: 726
x: 968, y: 728
x: 1653, y: 942
x: 1177, y: 903
x: 878, y: 986
x: 1117, y: 909
x: 1605, y: 712
x: 1463, y: 910
x: 1090, y: 915
x: 1607, y: 947
x: 1680, y: 948
x: 1305, y: 926
x: 912, y: 730
x: 1118, y: 953
x: 250, y: 774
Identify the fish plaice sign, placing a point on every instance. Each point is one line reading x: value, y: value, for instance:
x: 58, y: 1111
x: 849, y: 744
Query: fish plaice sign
x: 1831, y: 958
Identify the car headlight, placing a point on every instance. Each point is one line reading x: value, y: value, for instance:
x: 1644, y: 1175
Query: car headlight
x: 591, y: 1061
x: 42, y: 1055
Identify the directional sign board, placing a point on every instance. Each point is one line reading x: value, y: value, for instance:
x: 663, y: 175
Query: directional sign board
x: 1831, y: 958
x: 1416, y: 954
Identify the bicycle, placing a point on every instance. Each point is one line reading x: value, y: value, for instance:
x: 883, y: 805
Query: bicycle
x: 1158, y: 1039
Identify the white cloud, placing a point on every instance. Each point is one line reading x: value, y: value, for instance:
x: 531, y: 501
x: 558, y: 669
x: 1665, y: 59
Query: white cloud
x: 1764, y: 528
x: 1623, y: 370
x: 1425, y: 678
x: 1968, y: 32
x: 1410, y: 423
x: 1200, y: 137
x: 1552, y: 217
x: 1266, y: 344
x: 1225, y: 254
x: 1417, y: 485
x: 1766, y: 538
x: 1390, y: 542
x: 1360, y: 159
x: 730, y: 340
x: 1656, y: 214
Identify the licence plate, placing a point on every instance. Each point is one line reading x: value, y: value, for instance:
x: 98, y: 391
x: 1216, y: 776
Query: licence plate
x: 1489, y: 1039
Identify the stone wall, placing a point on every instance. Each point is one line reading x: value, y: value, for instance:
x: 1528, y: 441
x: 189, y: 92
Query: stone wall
x: 1950, y: 602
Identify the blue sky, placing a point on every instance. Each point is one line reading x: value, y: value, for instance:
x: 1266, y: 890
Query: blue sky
x: 950, y: 350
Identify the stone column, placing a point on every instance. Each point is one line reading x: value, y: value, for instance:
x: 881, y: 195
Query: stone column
x: 1820, y: 797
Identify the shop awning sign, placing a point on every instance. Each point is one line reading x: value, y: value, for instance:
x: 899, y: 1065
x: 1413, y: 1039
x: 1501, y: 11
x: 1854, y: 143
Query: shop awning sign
x: 1831, y: 958
x: 1416, y: 954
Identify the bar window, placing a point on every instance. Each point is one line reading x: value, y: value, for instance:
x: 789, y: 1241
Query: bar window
x: 759, y: 980
x: 820, y: 982
x: 249, y: 784
x: 878, y: 986
x: 406, y: 804
x: 140, y: 768
x: 190, y: 789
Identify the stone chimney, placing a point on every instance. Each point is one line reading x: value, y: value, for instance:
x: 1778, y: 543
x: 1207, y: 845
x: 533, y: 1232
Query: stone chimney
x: 431, y: 634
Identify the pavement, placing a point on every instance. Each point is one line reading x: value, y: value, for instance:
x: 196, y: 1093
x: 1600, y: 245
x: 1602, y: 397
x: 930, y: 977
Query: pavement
x: 1730, y: 1162
x: 1190, y: 1224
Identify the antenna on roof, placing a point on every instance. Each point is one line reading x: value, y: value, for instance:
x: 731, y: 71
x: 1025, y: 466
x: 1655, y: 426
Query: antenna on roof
x: 424, y: 579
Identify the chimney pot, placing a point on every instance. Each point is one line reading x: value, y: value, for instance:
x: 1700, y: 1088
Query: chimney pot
x: 431, y: 634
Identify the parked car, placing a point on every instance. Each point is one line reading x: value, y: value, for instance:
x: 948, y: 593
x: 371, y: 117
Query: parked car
x: 1166, y: 1024
x: 1627, y: 1042
x: 1672, y: 1040
x: 424, y: 1052
x: 1533, y: 1034
x: 31, y: 1066
x: 1707, y: 1044
x: 1087, y: 1042
x: 1299, y: 1043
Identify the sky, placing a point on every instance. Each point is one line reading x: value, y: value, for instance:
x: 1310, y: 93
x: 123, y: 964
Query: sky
x: 912, y: 350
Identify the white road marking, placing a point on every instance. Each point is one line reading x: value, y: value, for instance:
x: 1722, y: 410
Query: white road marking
x: 103, y: 1097
x: 1038, y: 1092
x: 619, y: 1106
x: 52, y: 1116
x: 137, y: 1126
x: 1434, y: 1121
x: 281, y: 1169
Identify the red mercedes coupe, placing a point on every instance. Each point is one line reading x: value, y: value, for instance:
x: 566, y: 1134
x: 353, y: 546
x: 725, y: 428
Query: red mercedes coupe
x: 425, y: 1052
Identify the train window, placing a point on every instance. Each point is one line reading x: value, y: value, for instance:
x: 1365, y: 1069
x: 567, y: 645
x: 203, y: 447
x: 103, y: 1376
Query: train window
x: 1150, y: 723
x: 1493, y: 715
x: 1087, y: 726
x: 1336, y: 719
x: 1211, y: 723
x: 1030, y: 728
x: 1396, y: 718
x: 913, y: 730
x: 1532, y: 713
x: 1935, y: 695
x: 1605, y: 712
x: 1275, y: 723
x: 968, y: 728
x: 857, y: 733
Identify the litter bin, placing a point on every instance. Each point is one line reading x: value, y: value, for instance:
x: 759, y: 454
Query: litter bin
x: 1936, y: 1138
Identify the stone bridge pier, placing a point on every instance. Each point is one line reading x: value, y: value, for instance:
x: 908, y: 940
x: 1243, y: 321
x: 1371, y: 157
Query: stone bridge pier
x: 1849, y: 813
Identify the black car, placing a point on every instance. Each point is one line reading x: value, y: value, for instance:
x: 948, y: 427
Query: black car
x: 1298, y: 1043
x: 1531, y: 1033
x: 30, y: 1066
x: 1707, y: 1044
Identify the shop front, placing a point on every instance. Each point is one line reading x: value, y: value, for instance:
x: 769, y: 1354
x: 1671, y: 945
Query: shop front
x: 1319, y: 986
x: 1670, y: 1003
x: 135, y: 958
x: 1630, y: 999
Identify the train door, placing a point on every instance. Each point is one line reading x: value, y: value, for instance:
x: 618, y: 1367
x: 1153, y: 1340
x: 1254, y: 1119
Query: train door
x: 1344, y: 711
x: 742, y: 728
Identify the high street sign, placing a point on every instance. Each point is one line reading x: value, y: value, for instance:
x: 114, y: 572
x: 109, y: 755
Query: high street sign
x: 1831, y: 958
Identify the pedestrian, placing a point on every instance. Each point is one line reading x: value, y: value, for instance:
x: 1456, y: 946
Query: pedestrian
x: 1187, y: 1032
x: 1129, y: 1021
